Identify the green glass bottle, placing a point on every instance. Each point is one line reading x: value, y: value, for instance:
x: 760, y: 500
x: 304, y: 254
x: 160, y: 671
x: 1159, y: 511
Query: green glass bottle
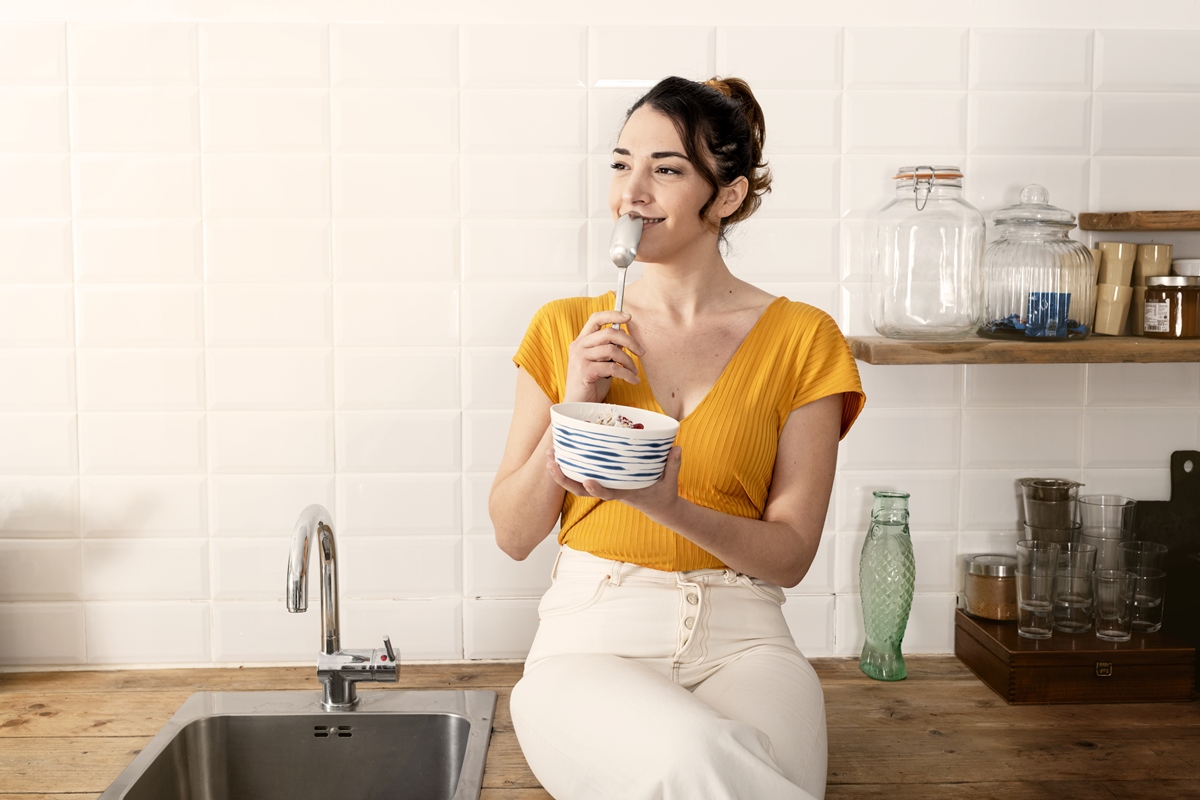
x: 886, y: 574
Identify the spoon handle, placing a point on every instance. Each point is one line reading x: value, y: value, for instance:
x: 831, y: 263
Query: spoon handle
x: 620, y: 293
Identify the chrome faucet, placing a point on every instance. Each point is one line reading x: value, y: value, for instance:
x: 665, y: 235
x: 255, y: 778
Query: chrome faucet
x: 338, y: 670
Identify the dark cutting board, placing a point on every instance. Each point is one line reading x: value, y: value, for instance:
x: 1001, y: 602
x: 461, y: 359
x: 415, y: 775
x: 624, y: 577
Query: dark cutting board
x: 1174, y: 522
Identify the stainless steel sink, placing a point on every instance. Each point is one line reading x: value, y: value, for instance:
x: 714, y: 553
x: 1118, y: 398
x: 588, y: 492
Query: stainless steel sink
x: 426, y: 745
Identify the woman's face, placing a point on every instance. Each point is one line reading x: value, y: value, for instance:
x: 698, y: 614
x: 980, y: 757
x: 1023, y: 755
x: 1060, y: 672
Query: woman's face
x: 653, y: 177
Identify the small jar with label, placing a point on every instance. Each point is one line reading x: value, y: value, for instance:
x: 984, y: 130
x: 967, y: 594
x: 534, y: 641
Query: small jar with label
x: 991, y: 587
x: 1172, y: 308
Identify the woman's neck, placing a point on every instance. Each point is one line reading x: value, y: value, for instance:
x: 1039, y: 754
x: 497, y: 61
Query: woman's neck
x: 694, y: 282
x: 683, y: 292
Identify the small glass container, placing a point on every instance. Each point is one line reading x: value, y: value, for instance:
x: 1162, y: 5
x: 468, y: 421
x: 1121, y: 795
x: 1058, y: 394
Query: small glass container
x: 991, y: 587
x: 928, y: 254
x: 1038, y: 284
x: 1172, y: 307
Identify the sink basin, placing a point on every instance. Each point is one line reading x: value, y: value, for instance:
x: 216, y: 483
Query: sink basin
x: 282, y: 746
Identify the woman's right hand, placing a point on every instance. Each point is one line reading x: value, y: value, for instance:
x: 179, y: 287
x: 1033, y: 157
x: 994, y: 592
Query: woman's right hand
x: 598, y: 355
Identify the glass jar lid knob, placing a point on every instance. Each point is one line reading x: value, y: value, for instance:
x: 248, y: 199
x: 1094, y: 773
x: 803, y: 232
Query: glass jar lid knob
x: 1035, y: 194
x: 1035, y: 208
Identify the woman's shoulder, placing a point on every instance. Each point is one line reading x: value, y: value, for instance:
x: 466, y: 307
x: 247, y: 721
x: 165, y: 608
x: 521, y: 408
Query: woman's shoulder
x: 801, y: 319
x: 575, y: 309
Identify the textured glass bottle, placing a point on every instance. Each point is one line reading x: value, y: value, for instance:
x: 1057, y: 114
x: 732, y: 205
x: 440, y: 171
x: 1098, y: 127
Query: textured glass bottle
x: 886, y: 573
x: 929, y: 246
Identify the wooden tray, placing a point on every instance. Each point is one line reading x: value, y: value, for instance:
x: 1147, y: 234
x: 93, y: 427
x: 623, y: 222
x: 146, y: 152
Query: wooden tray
x: 1075, y: 668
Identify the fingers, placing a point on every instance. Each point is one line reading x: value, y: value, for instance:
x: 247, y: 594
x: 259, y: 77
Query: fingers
x: 596, y: 371
x: 601, y: 352
x: 670, y: 474
x: 603, y: 356
x: 598, y: 329
x: 585, y: 489
x: 604, y: 319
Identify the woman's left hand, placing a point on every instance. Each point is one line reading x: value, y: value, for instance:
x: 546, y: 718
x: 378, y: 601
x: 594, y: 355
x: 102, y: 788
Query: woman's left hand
x: 655, y: 501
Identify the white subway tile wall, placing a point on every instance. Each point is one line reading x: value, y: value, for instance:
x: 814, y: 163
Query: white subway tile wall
x: 251, y: 265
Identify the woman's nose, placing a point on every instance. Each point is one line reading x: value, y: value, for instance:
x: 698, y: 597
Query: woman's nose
x: 636, y: 187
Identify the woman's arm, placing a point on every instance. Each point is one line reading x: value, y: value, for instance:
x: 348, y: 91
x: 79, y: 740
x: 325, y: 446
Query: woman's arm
x: 780, y: 547
x: 525, y: 502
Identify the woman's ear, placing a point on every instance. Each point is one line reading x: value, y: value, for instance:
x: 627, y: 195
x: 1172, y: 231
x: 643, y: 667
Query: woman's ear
x: 729, y: 198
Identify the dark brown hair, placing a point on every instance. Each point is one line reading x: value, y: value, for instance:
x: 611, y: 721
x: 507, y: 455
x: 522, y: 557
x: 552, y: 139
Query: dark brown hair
x: 723, y: 131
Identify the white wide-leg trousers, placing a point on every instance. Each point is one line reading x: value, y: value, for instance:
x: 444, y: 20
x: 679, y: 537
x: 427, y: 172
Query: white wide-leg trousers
x: 650, y: 685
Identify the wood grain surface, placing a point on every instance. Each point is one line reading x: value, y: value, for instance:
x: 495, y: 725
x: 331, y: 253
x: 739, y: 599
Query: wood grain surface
x: 1140, y: 221
x: 941, y: 734
x: 978, y: 350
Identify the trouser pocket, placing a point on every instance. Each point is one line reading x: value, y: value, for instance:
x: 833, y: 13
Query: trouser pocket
x: 765, y: 590
x: 568, y: 595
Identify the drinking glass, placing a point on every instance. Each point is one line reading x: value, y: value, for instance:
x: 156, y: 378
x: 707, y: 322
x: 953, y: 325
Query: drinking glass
x: 1108, y: 550
x: 1150, y: 586
x: 1136, y: 556
x: 1037, y: 569
x: 1073, y: 587
x: 1073, y: 600
x: 1112, y: 513
x: 1112, y: 595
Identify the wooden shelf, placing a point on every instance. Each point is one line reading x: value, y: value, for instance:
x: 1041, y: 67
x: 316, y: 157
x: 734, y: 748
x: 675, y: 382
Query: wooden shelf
x: 1141, y: 221
x: 977, y: 350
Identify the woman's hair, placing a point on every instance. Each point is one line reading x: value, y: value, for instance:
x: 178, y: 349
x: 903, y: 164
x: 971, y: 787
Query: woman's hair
x: 723, y: 131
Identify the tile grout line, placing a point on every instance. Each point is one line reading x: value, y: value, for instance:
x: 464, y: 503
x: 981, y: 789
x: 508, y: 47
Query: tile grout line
x: 83, y: 607
x: 201, y: 105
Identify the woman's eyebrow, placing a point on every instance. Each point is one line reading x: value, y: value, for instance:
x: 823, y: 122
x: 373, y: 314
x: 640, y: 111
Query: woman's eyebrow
x: 621, y: 151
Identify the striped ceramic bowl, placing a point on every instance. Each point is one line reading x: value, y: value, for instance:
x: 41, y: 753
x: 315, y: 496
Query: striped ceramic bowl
x: 616, y: 457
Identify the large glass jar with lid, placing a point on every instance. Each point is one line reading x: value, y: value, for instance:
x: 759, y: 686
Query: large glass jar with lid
x: 1038, y: 284
x: 929, y: 247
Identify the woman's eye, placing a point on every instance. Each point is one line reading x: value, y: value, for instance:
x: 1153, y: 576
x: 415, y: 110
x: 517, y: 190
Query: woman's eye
x: 617, y: 165
x: 668, y: 171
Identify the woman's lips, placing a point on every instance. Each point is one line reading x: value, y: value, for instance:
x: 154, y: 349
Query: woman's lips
x: 649, y: 222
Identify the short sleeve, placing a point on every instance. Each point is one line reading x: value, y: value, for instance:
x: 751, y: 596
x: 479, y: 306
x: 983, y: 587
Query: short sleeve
x: 542, y: 353
x: 828, y: 368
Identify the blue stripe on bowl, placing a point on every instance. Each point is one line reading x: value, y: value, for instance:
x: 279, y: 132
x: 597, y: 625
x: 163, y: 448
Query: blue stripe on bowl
x: 608, y: 455
x: 616, y: 461
x: 593, y: 471
x: 614, y: 441
x: 609, y: 482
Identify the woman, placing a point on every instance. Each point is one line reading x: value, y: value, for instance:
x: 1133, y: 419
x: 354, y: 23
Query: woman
x: 662, y: 666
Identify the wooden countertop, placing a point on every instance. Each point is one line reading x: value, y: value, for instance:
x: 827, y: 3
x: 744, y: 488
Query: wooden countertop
x: 938, y: 735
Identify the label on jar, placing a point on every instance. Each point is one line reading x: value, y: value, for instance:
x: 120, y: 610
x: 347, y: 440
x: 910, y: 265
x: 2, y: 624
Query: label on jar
x: 1047, y: 314
x: 1158, y: 317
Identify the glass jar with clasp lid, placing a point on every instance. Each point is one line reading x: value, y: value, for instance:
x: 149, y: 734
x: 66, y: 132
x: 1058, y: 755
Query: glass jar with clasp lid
x: 1038, y: 284
x: 929, y: 246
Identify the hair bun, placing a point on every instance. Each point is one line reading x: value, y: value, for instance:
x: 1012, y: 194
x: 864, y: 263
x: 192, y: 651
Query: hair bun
x: 721, y: 86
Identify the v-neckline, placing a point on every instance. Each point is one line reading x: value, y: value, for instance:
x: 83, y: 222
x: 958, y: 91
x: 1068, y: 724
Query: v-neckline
x: 724, y: 371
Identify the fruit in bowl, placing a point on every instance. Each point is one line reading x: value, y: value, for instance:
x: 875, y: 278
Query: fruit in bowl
x: 620, y: 447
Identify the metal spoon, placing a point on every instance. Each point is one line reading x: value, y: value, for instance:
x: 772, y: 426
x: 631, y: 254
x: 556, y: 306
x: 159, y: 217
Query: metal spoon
x: 622, y: 248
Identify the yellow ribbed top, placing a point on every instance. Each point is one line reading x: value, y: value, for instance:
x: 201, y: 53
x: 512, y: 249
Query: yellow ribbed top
x: 793, y: 355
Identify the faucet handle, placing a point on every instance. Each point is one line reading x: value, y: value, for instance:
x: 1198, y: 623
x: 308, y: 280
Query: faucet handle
x: 387, y: 645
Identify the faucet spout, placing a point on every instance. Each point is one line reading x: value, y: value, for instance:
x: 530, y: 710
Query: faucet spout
x: 338, y: 670
x: 315, y: 524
